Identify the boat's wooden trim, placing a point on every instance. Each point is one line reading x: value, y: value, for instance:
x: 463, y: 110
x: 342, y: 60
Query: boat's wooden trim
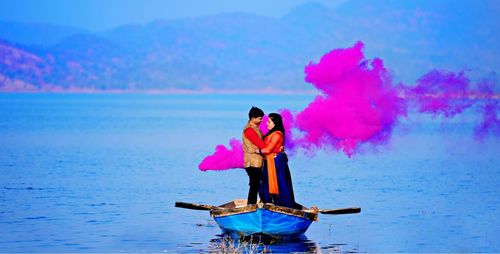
x: 220, y: 212
x: 235, y: 203
x: 232, y: 211
x: 291, y: 211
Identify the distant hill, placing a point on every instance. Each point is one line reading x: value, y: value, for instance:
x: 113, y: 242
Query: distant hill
x: 35, y: 34
x: 239, y: 51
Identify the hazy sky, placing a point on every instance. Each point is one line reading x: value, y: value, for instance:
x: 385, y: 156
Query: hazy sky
x: 104, y: 14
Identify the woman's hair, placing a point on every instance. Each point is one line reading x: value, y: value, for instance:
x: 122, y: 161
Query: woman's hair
x: 278, y: 124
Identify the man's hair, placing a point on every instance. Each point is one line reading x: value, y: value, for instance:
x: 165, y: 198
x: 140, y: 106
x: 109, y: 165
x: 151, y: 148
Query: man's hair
x: 255, y: 112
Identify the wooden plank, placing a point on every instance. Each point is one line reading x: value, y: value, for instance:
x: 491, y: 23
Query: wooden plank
x: 340, y: 210
x: 193, y: 206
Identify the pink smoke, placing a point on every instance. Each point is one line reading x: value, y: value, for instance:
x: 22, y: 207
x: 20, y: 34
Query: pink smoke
x: 263, y: 125
x: 359, y: 103
x: 439, y: 92
x: 224, y: 158
x: 288, y: 123
x: 490, y: 121
x: 490, y: 109
x: 449, y: 94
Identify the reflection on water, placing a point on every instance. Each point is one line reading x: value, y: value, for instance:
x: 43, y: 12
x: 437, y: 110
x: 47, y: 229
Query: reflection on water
x: 262, y: 244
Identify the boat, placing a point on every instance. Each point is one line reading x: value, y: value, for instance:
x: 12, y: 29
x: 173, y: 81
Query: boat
x: 240, y: 220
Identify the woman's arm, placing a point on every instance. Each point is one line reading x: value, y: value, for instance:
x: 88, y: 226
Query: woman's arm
x: 274, y: 141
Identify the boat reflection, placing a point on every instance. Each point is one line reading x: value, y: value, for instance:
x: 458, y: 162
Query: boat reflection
x: 263, y: 244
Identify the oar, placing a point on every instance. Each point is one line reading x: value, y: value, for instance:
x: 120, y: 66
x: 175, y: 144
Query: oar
x: 341, y: 210
x: 195, y: 206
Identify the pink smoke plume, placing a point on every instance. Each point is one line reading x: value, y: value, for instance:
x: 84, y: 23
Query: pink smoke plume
x: 439, y: 92
x: 490, y: 121
x: 449, y: 94
x: 490, y: 109
x: 288, y: 123
x: 263, y: 125
x: 360, y: 104
x: 224, y: 158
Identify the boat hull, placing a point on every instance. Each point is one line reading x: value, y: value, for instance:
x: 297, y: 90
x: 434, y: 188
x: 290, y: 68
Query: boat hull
x: 268, y: 220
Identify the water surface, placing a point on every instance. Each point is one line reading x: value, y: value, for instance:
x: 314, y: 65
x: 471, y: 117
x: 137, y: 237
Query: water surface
x: 101, y: 173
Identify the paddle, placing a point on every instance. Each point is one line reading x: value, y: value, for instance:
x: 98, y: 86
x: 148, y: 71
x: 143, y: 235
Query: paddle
x: 340, y: 210
x: 195, y: 206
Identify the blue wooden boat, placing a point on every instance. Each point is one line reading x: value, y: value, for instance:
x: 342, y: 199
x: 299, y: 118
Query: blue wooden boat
x: 240, y: 220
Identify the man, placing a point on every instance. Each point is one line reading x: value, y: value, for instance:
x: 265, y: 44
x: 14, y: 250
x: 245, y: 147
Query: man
x: 252, y: 140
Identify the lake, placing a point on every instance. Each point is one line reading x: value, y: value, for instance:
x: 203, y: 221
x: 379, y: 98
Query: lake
x: 101, y: 173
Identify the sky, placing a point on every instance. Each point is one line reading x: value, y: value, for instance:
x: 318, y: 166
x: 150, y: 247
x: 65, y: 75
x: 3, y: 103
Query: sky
x: 98, y: 15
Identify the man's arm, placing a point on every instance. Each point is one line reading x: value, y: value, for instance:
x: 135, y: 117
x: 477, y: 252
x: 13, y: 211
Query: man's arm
x: 251, y: 135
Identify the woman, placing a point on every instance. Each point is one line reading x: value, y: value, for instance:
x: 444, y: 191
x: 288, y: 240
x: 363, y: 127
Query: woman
x: 276, y: 186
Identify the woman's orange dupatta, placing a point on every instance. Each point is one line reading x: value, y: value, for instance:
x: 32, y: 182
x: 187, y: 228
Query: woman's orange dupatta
x: 275, y: 139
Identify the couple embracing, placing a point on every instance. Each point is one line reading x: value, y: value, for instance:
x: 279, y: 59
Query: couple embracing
x: 265, y: 162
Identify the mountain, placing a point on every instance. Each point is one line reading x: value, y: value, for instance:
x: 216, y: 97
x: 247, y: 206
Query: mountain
x: 21, y: 70
x: 240, y: 51
x: 35, y: 34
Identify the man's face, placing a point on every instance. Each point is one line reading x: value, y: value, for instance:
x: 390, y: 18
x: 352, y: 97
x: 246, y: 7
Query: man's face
x: 256, y: 120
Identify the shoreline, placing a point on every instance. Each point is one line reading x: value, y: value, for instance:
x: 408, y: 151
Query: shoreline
x: 223, y: 92
x: 162, y: 91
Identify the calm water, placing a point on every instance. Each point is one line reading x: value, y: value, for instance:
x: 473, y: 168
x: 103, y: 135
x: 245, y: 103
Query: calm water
x: 101, y: 173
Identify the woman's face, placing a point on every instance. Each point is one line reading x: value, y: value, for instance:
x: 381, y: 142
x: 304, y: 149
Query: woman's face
x: 270, y: 123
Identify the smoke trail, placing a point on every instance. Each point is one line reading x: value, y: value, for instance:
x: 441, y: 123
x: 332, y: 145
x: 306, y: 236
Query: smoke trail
x: 490, y: 121
x: 449, y: 94
x: 224, y: 158
x: 490, y: 109
x: 288, y: 123
x: 263, y: 125
x: 440, y: 92
x: 360, y: 104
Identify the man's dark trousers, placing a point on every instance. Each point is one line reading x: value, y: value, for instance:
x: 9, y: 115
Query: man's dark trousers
x: 254, y: 175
